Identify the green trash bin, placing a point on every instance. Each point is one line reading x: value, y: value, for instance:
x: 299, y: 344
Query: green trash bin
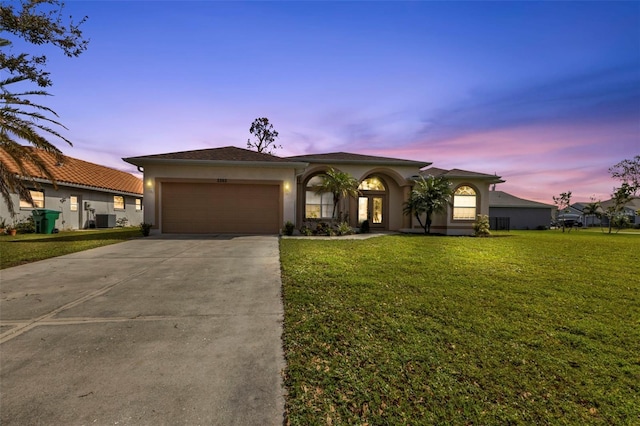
x: 45, y: 220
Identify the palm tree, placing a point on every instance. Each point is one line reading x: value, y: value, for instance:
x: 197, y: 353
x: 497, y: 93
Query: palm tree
x: 591, y: 210
x: 429, y: 195
x: 22, y: 120
x: 340, y: 184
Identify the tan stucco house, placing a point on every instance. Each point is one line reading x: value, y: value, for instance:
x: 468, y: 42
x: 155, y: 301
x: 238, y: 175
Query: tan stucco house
x: 234, y: 190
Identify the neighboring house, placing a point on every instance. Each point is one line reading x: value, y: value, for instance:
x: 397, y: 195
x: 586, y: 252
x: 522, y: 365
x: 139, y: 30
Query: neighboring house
x: 630, y: 210
x: 577, y: 210
x: 87, y: 194
x: 507, y: 211
x: 234, y: 190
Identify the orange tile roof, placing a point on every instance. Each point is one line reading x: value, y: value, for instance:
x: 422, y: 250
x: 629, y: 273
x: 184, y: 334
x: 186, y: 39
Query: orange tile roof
x: 79, y: 172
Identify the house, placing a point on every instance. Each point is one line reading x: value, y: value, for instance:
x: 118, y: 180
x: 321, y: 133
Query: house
x: 234, y: 190
x: 577, y: 210
x: 507, y: 211
x: 630, y: 210
x: 87, y: 194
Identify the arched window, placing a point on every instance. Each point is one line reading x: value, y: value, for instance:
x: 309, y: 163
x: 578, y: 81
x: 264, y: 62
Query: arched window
x: 464, y: 203
x: 371, y: 184
x: 317, y: 206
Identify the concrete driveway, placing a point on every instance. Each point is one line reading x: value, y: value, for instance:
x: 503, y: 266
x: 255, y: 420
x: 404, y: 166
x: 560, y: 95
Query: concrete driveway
x: 155, y: 331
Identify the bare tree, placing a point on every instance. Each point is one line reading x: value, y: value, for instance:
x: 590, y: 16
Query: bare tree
x: 265, y: 136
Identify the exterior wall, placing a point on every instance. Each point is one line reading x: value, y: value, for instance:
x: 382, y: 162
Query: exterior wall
x: 102, y: 202
x: 155, y: 174
x: 394, y: 178
x: 443, y: 223
x: 523, y: 217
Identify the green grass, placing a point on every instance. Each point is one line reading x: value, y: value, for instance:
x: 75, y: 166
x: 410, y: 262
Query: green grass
x: 25, y: 248
x: 525, y: 328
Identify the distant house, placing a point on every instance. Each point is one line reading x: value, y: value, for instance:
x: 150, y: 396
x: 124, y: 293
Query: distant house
x: 586, y: 219
x: 87, y: 194
x: 507, y: 211
x: 630, y: 210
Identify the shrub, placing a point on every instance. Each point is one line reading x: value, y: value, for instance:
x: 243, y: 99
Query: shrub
x: 344, y: 229
x: 621, y: 221
x: 305, y: 230
x: 288, y: 228
x: 323, y: 228
x: 145, y: 228
x: 481, y: 226
x: 26, y: 226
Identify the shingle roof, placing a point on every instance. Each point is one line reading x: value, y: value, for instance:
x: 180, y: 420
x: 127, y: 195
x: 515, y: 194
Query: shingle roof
x: 458, y: 173
x: 78, y: 172
x: 350, y: 158
x: 227, y: 153
x: 502, y: 199
x: 634, y: 203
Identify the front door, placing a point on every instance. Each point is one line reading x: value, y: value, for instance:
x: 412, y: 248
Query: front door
x: 371, y: 208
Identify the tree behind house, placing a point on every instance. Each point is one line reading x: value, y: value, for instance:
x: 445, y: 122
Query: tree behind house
x: 265, y: 136
x: 628, y: 171
x: 592, y: 210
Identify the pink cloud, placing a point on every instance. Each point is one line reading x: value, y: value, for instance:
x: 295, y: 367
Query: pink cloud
x: 538, y: 161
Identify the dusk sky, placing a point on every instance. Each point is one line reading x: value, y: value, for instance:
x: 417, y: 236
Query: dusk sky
x: 544, y: 94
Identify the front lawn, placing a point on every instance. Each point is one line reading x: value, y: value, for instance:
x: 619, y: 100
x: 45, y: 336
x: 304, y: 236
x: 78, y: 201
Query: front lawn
x: 535, y: 327
x: 25, y: 248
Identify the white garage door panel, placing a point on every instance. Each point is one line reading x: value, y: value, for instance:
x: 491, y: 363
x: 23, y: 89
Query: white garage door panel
x: 211, y: 208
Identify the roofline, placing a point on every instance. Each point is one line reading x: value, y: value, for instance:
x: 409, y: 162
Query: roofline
x: 470, y: 175
x: 141, y: 161
x: 80, y: 186
x: 399, y: 162
x: 512, y: 206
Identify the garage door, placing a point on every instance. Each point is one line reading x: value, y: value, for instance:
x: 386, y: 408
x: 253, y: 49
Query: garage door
x: 212, y: 208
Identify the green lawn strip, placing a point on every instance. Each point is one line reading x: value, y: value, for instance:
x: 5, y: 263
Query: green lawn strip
x: 530, y: 327
x: 25, y: 248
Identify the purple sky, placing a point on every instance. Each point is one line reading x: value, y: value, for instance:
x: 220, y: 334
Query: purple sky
x: 546, y: 94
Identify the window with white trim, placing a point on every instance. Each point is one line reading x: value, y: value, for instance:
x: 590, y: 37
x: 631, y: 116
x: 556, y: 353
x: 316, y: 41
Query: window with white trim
x: 317, y: 206
x: 118, y: 202
x: 464, y: 203
x: 138, y: 204
x: 73, y: 203
x: 38, y: 200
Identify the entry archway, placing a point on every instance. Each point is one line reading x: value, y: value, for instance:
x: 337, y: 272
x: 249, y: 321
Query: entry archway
x: 372, y: 202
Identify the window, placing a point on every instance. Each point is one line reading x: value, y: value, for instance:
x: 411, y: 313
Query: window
x: 73, y: 203
x: 464, y: 203
x: 318, y: 206
x: 138, y: 204
x: 38, y: 200
x: 118, y: 202
x: 371, y: 184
